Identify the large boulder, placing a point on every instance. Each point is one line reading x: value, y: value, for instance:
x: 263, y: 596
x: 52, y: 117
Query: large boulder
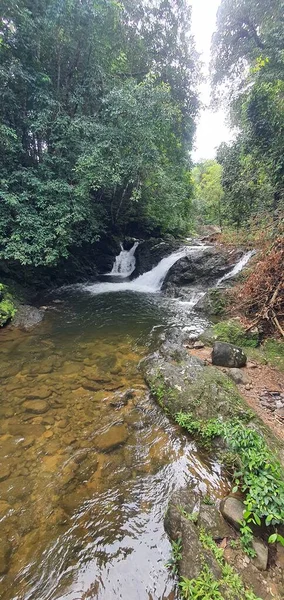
x: 202, y: 265
x: 228, y: 355
x: 179, y: 527
x: 150, y: 252
x: 182, y: 382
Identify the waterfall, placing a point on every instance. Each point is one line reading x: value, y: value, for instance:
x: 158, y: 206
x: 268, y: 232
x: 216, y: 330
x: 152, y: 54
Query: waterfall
x: 238, y: 267
x: 150, y: 282
x: 124, y: 263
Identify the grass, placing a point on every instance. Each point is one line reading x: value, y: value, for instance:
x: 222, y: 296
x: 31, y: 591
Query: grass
x: 271, y: 351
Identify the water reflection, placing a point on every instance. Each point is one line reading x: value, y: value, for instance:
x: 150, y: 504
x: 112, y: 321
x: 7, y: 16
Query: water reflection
x: 87, y: 466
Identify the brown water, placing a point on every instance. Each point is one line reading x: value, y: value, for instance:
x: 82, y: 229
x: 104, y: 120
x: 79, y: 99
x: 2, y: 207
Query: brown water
x: 86, y: 470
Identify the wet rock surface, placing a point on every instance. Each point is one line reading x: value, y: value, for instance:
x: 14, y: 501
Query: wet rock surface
x: 149, y: 253
x: 28, y: 316
x: 228, y: 355
x: 203, y: 267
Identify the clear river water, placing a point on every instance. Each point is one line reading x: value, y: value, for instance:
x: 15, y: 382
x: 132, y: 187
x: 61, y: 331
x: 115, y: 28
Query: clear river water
x: 88, y: 459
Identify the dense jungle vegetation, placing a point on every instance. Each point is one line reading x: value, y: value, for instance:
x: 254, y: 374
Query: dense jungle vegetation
x: 98, y: 101
x: 98, y: 110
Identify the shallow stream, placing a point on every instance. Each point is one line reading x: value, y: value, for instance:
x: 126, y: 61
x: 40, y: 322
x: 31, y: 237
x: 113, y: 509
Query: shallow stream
x: 87, y: 467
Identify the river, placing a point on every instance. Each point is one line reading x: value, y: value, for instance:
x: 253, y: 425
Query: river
x: 87, y: 467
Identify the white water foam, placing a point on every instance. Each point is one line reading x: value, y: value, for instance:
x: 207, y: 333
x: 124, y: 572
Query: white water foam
x: 125, y: 262
x: 150, y: 282
x: 238, y: 267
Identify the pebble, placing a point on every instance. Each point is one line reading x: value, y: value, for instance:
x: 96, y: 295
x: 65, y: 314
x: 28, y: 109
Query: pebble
x: 274, y: 402
x: 40, y: 392
x: 36, y: 406
x: 5, y: 472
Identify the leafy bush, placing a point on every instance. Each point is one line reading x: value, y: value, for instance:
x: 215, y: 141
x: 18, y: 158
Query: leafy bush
x: 7, y: 307
x: 257, y: 472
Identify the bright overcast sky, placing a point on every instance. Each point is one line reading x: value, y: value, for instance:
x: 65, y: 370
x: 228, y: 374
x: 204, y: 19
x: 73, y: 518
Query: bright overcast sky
x: 211, y: 129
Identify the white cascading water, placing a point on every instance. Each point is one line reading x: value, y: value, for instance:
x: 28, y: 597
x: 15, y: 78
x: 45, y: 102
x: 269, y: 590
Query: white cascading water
x: 124, y: 263
x: 150, y: 282
x: 238, y: 267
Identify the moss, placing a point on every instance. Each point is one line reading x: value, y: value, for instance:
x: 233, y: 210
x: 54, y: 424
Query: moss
x: 217, y: 302
x: 270, y: 352
x: 7, y: 306
x: 232, y: 332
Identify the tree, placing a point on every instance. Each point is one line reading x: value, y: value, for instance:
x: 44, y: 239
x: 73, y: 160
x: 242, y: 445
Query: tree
x: 208, y: 191
x: 97, y: 105
x: 249, y: 34
x: 248, y: 63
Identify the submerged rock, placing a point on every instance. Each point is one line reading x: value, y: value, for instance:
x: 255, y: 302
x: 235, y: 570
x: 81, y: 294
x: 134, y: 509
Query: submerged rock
x: 36, y: 406
x: 114, y: 437
x: 5, y: 553
x: 228, y: 355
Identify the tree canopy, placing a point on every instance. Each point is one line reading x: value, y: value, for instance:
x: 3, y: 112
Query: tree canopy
x: 248, y: 67
x: 98, y: 101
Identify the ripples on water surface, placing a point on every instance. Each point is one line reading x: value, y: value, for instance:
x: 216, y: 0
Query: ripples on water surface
x: 85, y: 472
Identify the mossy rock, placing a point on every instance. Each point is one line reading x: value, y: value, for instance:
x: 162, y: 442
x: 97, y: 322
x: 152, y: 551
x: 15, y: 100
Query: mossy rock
x: 189, y: 386
x: 7, y: 306
x: 214, y: 303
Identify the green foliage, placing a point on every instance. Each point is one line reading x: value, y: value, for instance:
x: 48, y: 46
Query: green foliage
x: 96, y: 120
x: 274, y: 352
x: 247, y: 56
x: 176, y: 556
x: 204, y: 586
x: 7, y: 306
x: 208, y: 191
x: 233, y: 332
x: 193, y: 517
x: 257, y: 472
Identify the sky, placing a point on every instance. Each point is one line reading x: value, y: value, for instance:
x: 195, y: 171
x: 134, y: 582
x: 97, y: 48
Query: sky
x: 211, y: 128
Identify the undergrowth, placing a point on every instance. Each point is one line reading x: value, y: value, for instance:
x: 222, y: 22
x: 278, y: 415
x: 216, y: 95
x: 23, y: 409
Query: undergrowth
x: 232, y: 332
x: 7, y: 307
x: 256, y: 472
x: 205, y: 587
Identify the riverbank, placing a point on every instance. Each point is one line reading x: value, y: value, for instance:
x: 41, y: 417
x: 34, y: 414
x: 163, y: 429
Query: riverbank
x: 205, y: 401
